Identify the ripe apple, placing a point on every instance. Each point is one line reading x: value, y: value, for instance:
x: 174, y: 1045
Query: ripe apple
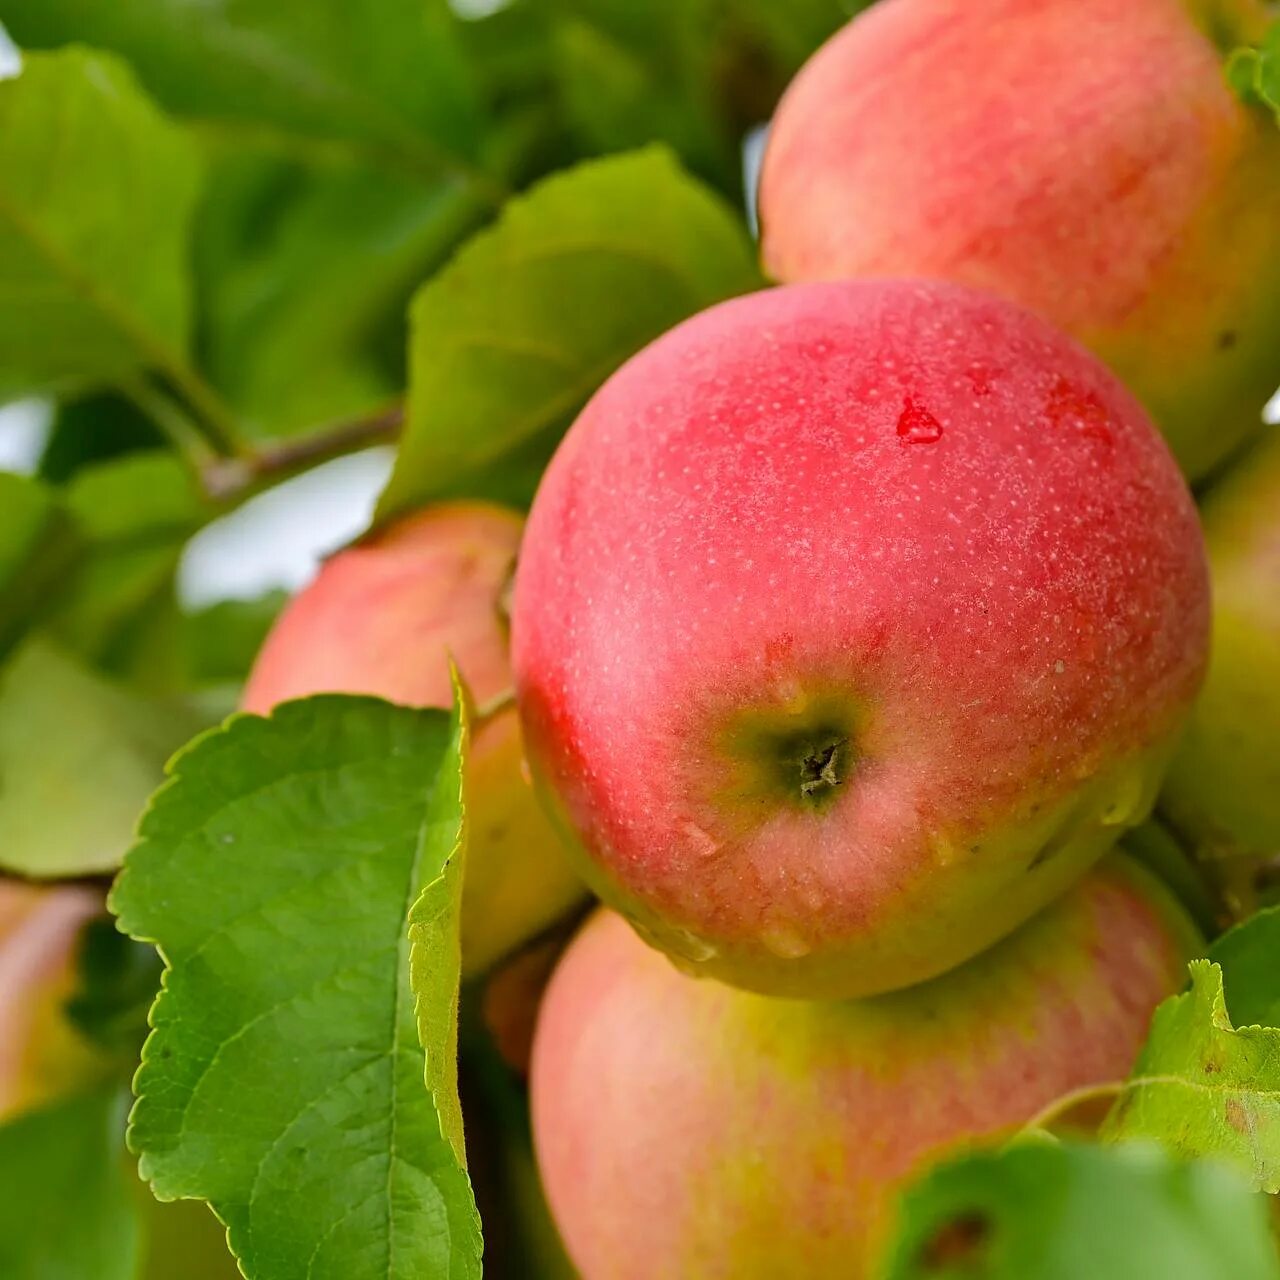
x: 383, y: 618
x: 42, y: 1055
x: 1223, y: 791
x: 853, y: 622
x: 683, y: 1128
x: 1085, y: 158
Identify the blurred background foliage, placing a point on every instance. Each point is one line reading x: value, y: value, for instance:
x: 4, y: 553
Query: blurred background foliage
x: 224, y: 213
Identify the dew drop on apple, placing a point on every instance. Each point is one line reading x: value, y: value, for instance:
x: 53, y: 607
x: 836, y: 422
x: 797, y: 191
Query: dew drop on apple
x: 1130, y: 801
x: 701, y: 843
x: 688, y: 946
x: 786, y: 943
x: 916, y: 425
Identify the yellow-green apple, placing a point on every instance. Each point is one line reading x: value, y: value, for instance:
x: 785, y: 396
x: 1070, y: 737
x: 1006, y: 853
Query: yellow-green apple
x: 684, y: 1128
x: 42, y: 1055
x: 1083, y: 157
x: 1223, y: 791
x: 853, y: 622
x: 383, y: 618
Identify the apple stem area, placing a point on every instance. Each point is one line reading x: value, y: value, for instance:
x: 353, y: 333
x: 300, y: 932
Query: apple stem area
x: 797, y: 754
x: 821, y: 767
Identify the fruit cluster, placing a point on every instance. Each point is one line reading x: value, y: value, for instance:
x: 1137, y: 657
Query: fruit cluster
x: 857, y: 621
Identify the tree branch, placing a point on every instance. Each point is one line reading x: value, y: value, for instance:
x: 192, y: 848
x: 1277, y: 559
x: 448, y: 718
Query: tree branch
x: 227, y: 480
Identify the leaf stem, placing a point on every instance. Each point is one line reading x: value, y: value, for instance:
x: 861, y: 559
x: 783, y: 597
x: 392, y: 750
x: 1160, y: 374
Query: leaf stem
x: 1062, y: 1106
x: 169, y: 417
x: 215, y: 420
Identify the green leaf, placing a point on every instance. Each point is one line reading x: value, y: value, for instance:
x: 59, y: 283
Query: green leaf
x: 794, y: 31
x: 283, y: 1081
x: 79, y: 755
x: 221, y: 641
x: 39, y: 544
x: 96, y: 194
x: 94, y: 429
x: 1205, y: 1085
x: 1248, y: 956
x: 618, y: 93
x: 510, y: 340
x: 382, y: 75
x: 1049, y: 1212
x: 305, y: 271
x: 435, y: 933
x: 137, y: 513
x: 1254, y: 73
x: 693, y: 74
x: 67, y: 1209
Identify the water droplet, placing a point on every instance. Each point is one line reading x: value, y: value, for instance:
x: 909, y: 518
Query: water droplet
x: 786, y: 943
x: 525, y: 772
x: 916, y: 425
x: 646, y: 934
x: 688, y: 946
x: 1070, y: 406
x: 1059, y: 667
x: 980, y: 379
x: 945, y: 850
x: 228, y: 838
x: 701, y: 843
x: 792, y: 697
x: 1131, y: 801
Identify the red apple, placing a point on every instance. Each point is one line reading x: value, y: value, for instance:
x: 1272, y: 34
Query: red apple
x: 42, y: 1055
x: 1083, y: 157
x: 687, y: 1129
x: 853, y: 622
x: 383, y: 618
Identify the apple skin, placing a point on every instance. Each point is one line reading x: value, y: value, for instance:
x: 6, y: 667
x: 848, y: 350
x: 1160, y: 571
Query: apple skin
x: 684, y: 1128
x: 42, y: 1055
x: 749, y: 562
x: 1089, y: 161
x: 1222, y: 794
x: 383, y: 618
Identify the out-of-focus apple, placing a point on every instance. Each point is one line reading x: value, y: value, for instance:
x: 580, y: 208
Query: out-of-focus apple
x: 42, y: 1055
x: 1085, y: 158
x: 1223, y: 791
x: 687, y: 1129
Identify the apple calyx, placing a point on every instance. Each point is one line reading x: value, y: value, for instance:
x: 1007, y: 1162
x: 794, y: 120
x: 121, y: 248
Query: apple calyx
x: 798, y: 755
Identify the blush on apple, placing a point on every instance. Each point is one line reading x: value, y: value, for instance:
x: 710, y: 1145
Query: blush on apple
x: 853, y: 622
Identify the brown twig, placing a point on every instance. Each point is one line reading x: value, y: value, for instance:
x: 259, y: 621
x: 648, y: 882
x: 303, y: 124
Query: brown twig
x: 229, y: 479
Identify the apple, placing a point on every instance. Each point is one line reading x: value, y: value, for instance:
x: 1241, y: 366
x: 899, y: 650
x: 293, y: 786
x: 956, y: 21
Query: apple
x: 42, y: 1055
x: 853, y: 622
x: 383, y: 618
x: 684, y: 1128
x: 1085, y: 158
x: 1223, y: 791
x: 511, y: 997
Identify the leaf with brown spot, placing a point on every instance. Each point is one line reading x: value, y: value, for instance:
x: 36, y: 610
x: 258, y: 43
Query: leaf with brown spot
x: 1206, y: 1085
